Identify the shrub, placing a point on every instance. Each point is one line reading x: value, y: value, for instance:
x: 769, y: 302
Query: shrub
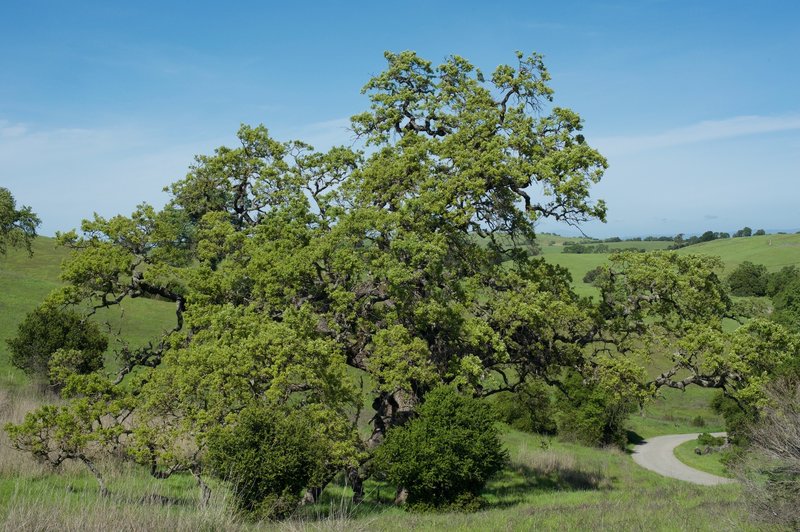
x: 48, y: 329
x: 270, y: 457
x: 748, y: 279
x: 529, y: 410
x: 712, y: 441
x: 592, y: 416
x: 698, y: 421
x: 592, y: 274
x: 737, y: 418
x: 445, y: 456
x: 780, y: 280
x: 787, y: 305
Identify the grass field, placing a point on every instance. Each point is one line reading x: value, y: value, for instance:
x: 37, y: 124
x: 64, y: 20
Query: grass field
x: 773, y: 251
x: 25, y: 281
x: 710, y: 463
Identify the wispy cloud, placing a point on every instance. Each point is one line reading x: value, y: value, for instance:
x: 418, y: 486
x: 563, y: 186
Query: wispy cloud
x: 66, y: 174
x: 9, y: 130
x: 706, y: 131
x: 326, y: 134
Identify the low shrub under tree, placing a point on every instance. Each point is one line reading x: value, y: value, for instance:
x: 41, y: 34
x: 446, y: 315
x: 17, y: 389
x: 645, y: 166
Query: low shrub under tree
x: 444, y: 457
x: 47, y: 329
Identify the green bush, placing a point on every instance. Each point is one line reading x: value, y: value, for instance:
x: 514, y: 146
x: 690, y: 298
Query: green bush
x: 591, y: 416
x: 778, y: 281
x: 592, y: 274
x: 445, y: 456
x: 269, y: 456
x: 698, y: 421
x: 48, y: 329
x: 707, y: 439
x: 749, y: 279
x: 529, y: 410
x: 787, y: 305
x: 738, y: 419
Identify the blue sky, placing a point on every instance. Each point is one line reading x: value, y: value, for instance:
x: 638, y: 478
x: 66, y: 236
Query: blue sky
x: 695, y: 103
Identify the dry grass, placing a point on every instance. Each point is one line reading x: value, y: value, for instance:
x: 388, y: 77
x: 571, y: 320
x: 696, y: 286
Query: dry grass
x: 13, y: 407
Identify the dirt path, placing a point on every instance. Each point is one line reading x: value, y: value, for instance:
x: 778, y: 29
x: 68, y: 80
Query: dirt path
x: 656, y: 454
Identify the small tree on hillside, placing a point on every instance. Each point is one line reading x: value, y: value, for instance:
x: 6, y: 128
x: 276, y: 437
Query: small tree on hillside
x: 47, y: 330
x: 748, y: 279
x: 17, y: 226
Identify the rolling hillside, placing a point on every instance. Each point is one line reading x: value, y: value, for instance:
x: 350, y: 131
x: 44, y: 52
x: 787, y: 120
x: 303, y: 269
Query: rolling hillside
x: 26, y: 281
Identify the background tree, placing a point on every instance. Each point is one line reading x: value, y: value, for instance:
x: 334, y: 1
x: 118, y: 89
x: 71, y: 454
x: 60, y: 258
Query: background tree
x: 17, y: 226
x: 748, y: 279
x: 46, y: 330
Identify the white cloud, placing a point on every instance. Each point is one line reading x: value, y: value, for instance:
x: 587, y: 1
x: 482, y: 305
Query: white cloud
x: 66, y: 174
x: 326, y: 134
x: 9, y: 130
x: 706, y: 131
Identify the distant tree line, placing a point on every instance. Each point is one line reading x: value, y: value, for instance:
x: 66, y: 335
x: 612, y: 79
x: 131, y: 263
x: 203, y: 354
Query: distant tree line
x: 596, y: 245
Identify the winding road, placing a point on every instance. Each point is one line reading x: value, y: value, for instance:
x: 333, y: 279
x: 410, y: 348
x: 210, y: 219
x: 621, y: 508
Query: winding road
x: 656, y: 454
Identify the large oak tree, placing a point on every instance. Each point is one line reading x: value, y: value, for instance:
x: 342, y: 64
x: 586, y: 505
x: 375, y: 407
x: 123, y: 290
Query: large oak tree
x: 311, y: 278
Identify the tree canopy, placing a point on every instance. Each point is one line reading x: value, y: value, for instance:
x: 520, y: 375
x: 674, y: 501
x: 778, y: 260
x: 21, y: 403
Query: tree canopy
x: 17, y: 226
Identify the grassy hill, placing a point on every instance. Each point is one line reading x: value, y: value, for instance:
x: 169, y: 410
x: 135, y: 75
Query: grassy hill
x: 25, y: 281
x: 773, y: 251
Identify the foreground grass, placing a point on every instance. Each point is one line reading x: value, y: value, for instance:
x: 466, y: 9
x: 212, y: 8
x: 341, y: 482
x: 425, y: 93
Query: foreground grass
x: 548, y: 485
x: 710, y: 463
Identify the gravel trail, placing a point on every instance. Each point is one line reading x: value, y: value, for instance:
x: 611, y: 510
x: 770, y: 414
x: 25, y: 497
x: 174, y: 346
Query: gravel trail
x: 656, y: 454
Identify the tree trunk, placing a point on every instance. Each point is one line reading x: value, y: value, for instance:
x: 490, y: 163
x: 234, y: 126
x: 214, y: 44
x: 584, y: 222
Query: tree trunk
x: 312, y: 495
x: 390, y: 409
x: 205, y: 491
x: 357, y: 483
x: 89, y: 464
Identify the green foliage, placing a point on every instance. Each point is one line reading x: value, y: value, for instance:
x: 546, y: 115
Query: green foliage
x: 778, y: 281
x: 529, y: 409
x: 748, y: 279
x: 270, y: 456
x: 592, y: 275
x: 87, y: 426
x: 411, y: 262
x: 698, y: 421
x: 592, y: 415
x: 446, y: 455
x: 583, y: 248
x: 707, y: 439
x: 17, y: 226
x: 46, y: 330
x: 786, y: 304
